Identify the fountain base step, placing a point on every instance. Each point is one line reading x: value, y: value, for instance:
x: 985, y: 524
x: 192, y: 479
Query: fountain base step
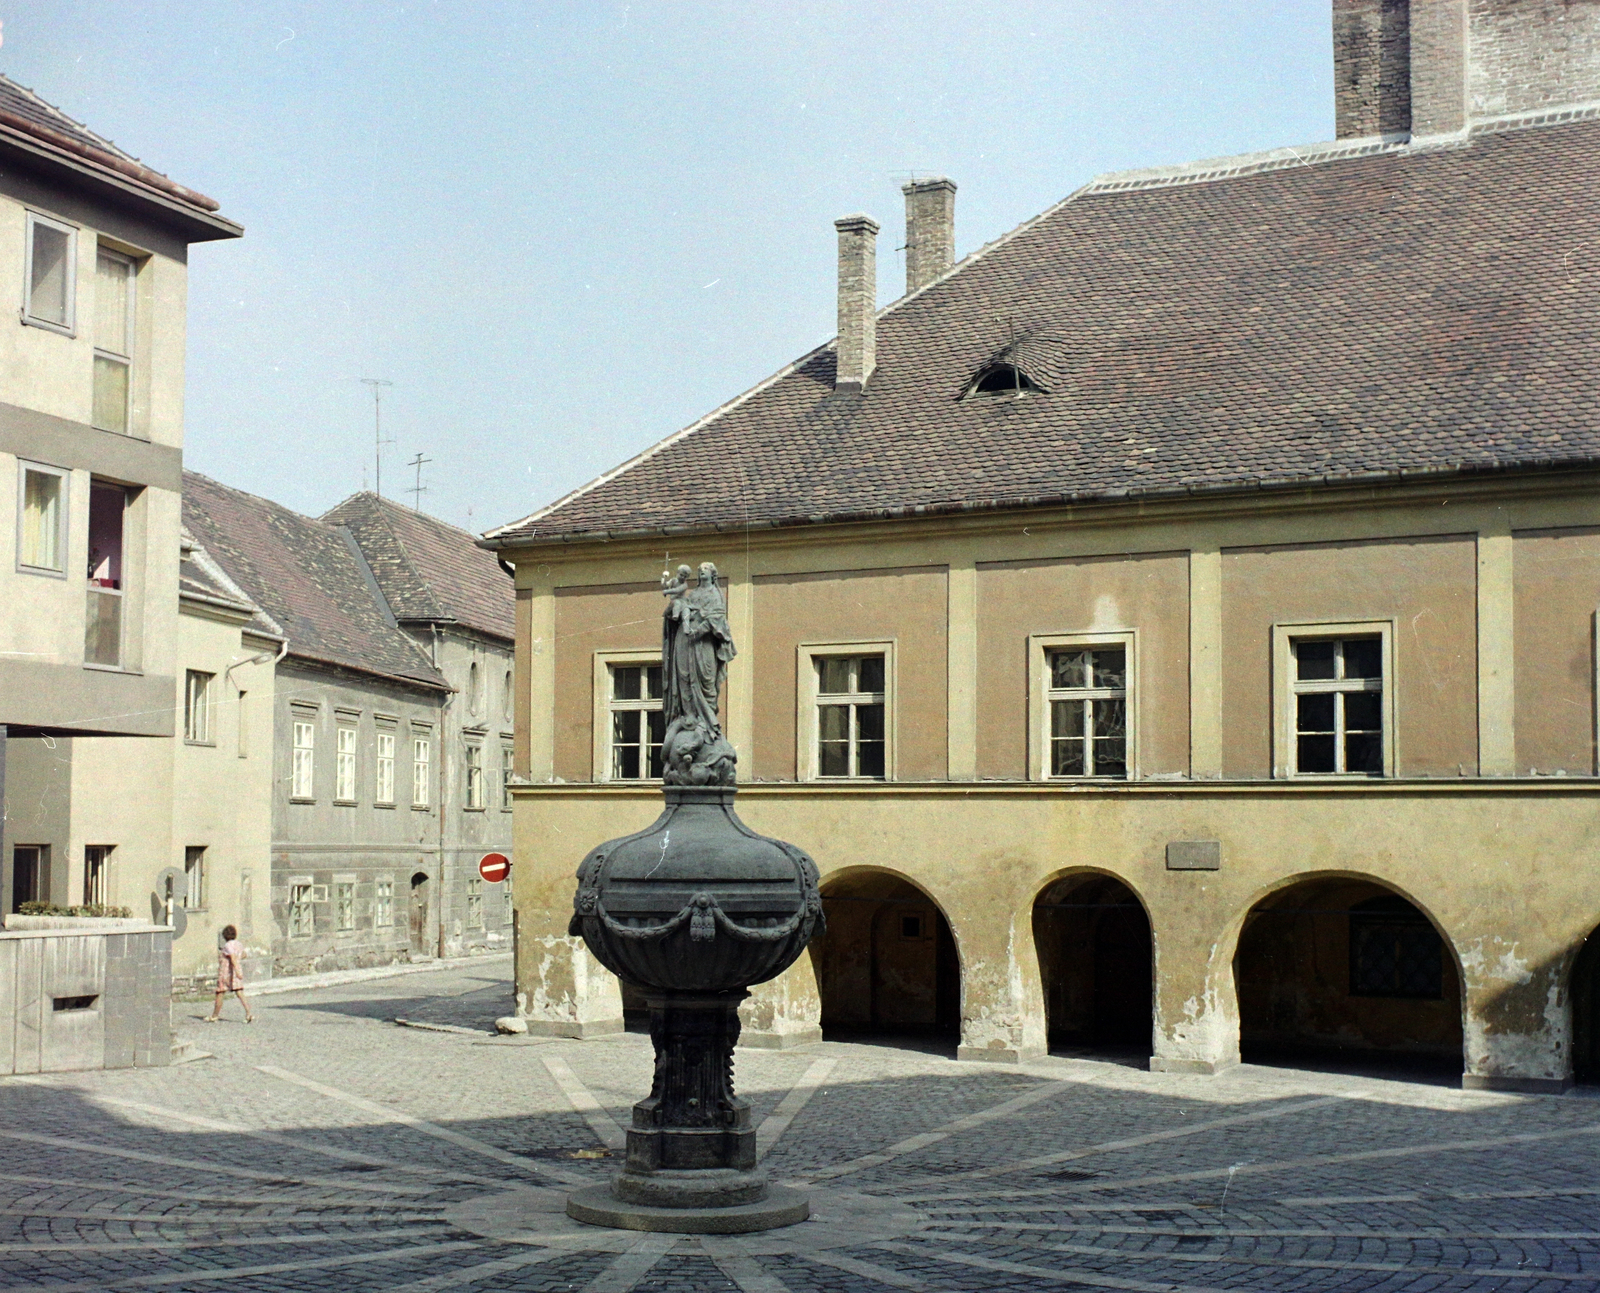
x: 597, y: 1205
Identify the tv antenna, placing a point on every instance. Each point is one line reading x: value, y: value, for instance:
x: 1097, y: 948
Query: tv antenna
x: 377, y: 384
x: 419, y: 489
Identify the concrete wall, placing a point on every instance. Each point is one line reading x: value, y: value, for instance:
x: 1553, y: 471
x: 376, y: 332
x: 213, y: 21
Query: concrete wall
x: 84, y: 995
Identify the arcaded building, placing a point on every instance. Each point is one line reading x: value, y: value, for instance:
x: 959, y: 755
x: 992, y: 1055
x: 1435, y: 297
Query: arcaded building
x: 1173, y: 625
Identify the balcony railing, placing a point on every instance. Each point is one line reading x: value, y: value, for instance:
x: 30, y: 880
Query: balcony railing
x: 102, y: 641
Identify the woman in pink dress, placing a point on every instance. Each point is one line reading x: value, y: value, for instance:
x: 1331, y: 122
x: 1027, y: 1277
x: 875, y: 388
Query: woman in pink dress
x: 230, y: 974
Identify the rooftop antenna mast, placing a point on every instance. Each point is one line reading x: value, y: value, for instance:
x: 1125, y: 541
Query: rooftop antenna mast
x: 377, y: 384
x: 419, y: 489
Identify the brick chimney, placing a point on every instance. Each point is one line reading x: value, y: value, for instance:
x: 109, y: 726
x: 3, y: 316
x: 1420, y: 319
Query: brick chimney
x: 1432, y: 67
x: 858, y: 302
x: 930, y: 230
x: 1372, y: 67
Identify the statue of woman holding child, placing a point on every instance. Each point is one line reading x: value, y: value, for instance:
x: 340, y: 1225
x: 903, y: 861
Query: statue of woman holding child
x: 696, y: 645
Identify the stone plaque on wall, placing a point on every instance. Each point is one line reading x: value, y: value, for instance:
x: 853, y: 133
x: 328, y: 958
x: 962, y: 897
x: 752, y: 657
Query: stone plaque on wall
x: 1194, y: 855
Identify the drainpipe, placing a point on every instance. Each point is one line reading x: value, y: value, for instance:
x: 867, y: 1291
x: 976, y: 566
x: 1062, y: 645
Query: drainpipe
x: 446, y: 780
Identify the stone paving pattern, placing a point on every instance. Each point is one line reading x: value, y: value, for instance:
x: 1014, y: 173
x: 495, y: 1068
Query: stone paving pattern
x: 326, y: 1148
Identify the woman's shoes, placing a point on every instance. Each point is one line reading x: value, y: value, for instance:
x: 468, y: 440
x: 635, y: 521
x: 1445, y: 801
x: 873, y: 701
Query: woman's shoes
x: 210, y: 1019
x: 249, y: 1019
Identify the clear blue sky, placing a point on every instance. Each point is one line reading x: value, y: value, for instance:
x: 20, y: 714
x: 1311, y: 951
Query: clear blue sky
x: 566, y: 230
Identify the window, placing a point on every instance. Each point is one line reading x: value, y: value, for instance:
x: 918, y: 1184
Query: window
x: 851, y: 740
x: 1394, y: 951
x: 507, y: 771
x: 637, y: 724
x: 51, y: 282
x: 344, y: 905
x: 305, y: 753
x: 1088, y: 699
x: 383, y: 904
x: 475, y: 902
x: 302, y: 918
x: 1338, y: 706
x: 42, y: 523
x: 197, y: 707
x: 911, y: 928
x: 344, y: 771
x: 383, y: 788
x: 1001, y: 379
x: 510, y: 907
x: 30, y: 874
x: 474, y: 689
x: 508, y: 696
x: 474, y: 775
x: 421, y: 771
x: 96, y: 874
x: 113, y: 339
x: 194, y: 872
x: 102, y: 643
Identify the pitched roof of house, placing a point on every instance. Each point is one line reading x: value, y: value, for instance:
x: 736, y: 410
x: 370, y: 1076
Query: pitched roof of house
x: 42, y: 130
x: 429, y: 570
x: 1350, y: 311
x: 305, y: 575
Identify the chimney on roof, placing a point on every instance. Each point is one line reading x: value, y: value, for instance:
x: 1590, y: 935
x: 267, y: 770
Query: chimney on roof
x: 858, y: 302
x: 930, y: 230
x: 1432, y: 67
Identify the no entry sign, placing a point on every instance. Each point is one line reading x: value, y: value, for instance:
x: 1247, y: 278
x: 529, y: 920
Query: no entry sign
x: 494, y: 867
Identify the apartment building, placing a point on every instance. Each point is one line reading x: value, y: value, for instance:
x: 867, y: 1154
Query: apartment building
x: 91, y: 437
x: 1170, y: 627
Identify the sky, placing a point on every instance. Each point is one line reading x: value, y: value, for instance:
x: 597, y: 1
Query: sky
x: 564, y: 231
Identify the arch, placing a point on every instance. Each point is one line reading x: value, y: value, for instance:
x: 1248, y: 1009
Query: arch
x: 1001, y: 378
x: 418, y: 916
x: 1584, y: 994
x: 888, y: 965
x: 1343, y: 970
x: 1096, y: 950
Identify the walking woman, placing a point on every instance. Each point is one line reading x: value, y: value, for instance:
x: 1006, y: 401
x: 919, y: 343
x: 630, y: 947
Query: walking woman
x: 230, y: 974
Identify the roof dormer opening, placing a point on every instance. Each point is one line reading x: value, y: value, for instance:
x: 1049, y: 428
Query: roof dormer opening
x: 1001, y: 379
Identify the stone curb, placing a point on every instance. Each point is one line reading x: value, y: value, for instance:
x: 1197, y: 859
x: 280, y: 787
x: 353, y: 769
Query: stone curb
x: 336, y: 978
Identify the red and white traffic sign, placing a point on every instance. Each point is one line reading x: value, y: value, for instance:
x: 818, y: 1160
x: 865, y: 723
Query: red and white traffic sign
x: 494, y: 867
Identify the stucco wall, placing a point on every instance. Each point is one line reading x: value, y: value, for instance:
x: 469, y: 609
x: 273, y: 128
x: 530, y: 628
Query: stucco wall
x: 1557, y: 595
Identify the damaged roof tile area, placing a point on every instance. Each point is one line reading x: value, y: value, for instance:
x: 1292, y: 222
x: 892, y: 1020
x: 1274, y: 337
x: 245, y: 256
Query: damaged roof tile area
x: 1410, y: 310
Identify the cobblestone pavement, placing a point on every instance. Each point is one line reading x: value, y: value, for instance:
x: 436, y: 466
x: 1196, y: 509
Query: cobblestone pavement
x: 326, y: 1148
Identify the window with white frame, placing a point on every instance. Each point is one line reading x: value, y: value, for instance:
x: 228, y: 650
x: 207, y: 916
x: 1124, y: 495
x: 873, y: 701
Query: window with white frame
x: 1088, y: 701
x: 194, y: 872
x: 383, y: 780
x: 302, y: 916
x: 1338, y: 706
x: 113, y: 339
x: 50, y: 284
x: 197, y: 706
x: 344, y: 781
x: 344, y: 905
x: 303, y: 782
x: 421, y: 770
x: 851, y: 716
x: 637, y: 724
x: 475, y: 902
x: 472, y: 768
x: 96, y: 873
x: 42, y: 521
x: 383, y: 903
x: 507, y: 771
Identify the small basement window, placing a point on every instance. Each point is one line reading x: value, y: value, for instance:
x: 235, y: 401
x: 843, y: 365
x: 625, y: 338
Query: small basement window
x: 1001, y: 379
x: 75, y: 1003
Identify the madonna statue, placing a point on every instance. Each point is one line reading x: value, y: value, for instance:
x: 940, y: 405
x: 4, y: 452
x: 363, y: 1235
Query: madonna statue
x: 696, y: 646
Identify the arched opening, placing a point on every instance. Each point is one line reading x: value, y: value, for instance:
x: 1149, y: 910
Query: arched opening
x: 1096, y: 965
x: 1585, y: 996
x: 1345, y: 974
x: 419, y: 913
x: 1001, y: 379
x: 887, y: 967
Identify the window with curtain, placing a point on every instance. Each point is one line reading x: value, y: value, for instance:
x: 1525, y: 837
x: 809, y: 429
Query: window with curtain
x: 113, y: 339
x: 42, y: 540
x: 51, y: 273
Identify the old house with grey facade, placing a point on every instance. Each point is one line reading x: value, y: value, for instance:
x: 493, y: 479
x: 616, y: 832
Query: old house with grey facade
x: 387, y: 763
x: 1170, y: 627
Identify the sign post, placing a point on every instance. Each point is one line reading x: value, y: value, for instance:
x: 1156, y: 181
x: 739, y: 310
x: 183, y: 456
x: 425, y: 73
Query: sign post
x: 494, y: 867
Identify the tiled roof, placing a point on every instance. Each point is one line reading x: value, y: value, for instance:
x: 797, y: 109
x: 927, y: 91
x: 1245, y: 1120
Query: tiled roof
x: 304, y: 575
x: 429, y: 570
x: 24, y: 111
x: 1362, y: 312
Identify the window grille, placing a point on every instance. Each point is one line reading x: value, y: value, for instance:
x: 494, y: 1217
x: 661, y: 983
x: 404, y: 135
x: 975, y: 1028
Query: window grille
x: 1338, y: 700
x: 1394, y: 951
x: 637, y: 724
x: 507, y: 771
x: 302, y: 920
x: 1088, y: 699
x: 851, y: 728
x: 474, y: 774
x: 197, y: 707
x: 96, y: 873
x: 383, y: 904
x: 194, y: 872
x: 344, y: 905
x: 475, y: 902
